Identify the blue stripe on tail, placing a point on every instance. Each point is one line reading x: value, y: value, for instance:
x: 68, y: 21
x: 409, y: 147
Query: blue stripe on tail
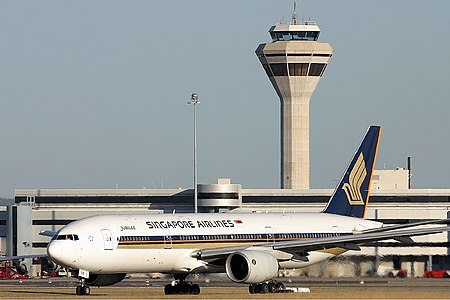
x: 351, y: 196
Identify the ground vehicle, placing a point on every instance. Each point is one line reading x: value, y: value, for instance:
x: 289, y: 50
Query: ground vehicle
x: 398, y: 274
x: 437, y: 274
x: 10, y: 271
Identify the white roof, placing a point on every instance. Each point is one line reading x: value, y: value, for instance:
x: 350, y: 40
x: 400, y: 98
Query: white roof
x: 299, y: 27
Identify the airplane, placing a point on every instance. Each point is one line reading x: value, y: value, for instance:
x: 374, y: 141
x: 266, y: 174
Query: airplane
x: 250, y: 248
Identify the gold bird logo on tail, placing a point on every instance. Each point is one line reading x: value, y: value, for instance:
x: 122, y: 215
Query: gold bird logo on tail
x: 356, y: 178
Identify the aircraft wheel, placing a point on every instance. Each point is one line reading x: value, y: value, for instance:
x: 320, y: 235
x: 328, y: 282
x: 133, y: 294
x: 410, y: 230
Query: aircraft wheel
x: 251, y: 289
x: 176, y: 289
x: 168, y: 289
x: 264, y: 288
x: 83, y: 290
x: 184, y: 288
x: 257, y: 288
x: 272, y: 287
x: 280, y: 286
x: 86, y: 290
x: 195, y: 289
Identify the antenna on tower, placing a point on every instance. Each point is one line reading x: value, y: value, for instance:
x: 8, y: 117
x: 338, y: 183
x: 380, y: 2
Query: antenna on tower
x: 294, y: 15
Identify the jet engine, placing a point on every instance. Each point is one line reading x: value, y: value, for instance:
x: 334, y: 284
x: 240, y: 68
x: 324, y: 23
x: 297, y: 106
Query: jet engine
x: 104, y: 279
x: 251, y: 266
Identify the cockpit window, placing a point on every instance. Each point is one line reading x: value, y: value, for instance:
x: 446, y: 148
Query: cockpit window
x: 71, y: 237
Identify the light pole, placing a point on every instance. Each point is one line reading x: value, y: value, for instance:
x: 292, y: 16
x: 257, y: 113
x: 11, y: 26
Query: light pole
x: 194, y: 101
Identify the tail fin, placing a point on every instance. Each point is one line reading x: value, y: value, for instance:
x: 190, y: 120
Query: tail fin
x: 351, y: 196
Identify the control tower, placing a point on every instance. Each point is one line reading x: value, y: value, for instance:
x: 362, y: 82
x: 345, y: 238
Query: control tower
x: 294, y: 62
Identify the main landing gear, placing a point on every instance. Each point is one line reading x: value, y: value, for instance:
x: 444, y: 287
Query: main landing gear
x: 82, y: 288
x: 181, y: 286
x: 266, y: 287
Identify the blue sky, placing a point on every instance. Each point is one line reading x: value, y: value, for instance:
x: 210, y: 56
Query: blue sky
x: 93, y: 93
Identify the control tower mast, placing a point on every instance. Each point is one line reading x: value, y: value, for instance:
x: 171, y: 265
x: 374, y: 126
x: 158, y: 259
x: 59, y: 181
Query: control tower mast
x: 294, y: 62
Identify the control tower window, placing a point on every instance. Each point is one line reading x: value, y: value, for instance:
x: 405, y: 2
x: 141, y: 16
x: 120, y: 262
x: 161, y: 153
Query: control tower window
x: 316, y: 69
x: 312, y: 35
x: 300, y: 35
x: 294, y: 35
x: 298, y: 69
x: 279, y: 69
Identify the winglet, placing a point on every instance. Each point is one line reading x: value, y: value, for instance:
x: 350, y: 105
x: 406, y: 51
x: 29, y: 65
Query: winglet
x: 351, y: 196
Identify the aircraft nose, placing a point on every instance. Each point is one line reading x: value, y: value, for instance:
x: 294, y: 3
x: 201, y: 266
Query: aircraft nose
x: 55, y: 251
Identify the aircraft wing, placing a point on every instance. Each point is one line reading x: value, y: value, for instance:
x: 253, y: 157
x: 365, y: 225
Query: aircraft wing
x: 21, y: 257
x: 351, y: 241
x: 302, y: 247
x: 403, y: 226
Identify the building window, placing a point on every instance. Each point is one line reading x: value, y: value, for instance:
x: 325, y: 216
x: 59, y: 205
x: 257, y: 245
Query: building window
x: 279, y: 69
x: 299, y: 54
x: 312, y: 35
x: 298, y: 69
x: 294, y: 35
x: 316, y: 69
x: 322, y: 54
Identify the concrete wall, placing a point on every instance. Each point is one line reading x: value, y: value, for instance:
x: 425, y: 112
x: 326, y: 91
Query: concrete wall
x: 390, y: 179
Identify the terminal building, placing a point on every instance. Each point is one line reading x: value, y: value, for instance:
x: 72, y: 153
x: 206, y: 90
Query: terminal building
x: 391, y: 202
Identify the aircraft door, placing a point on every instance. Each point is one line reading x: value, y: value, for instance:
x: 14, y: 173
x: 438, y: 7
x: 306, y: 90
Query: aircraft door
x: 107, y: 239
x: 269, y: 234
x: 167, y: 239
x: 336, y: 230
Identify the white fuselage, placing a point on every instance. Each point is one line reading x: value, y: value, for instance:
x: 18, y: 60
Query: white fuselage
x: 165, y: 243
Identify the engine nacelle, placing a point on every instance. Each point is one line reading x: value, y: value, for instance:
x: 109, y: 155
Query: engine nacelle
x: 250, y: 266
x: 104, y: 279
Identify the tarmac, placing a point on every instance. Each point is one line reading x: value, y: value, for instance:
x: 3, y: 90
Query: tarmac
x: 313, y: 288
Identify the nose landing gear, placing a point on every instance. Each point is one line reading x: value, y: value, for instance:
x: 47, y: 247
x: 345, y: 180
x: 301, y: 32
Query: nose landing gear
x: 82, y: 289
